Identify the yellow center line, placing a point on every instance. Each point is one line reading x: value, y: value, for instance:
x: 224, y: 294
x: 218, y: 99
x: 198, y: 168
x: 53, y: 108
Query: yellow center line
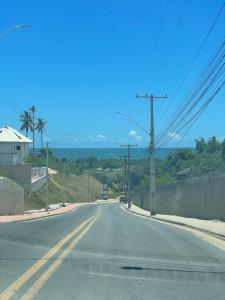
x: 12, y: 289
x: 34, y: 289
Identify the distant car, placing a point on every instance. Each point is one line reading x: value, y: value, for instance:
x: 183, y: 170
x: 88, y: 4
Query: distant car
x: 123, y: 197
x: 105, y: 197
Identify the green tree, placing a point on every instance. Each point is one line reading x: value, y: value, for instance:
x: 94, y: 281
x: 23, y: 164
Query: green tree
x: 41, y: 127
x: 26, y: 120
x: 165, y: 179
x: 213, y: 145
x: 200, y: 145
x: 223, y: 149
x: 116, y: 187
x: 32, y: 109
x: 185, y: 154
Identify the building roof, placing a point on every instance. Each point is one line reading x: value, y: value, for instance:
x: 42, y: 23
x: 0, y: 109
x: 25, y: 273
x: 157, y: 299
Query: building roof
x: 10, y: 135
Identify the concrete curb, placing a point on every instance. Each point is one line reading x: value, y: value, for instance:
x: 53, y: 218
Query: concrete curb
x: 53, y: 215
x: 41, y: 217
x: 219, y: 236
x: 190, y: 226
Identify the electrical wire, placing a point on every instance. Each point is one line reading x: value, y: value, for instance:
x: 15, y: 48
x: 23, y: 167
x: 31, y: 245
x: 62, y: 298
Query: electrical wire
x: 9, y: 103
x: 200, y: 111
x: 165, y: 54
x: 204, y: 83
x: 190, y: 122
x: 155, y: 43
x: 181, y: 116
x: 193, y: 61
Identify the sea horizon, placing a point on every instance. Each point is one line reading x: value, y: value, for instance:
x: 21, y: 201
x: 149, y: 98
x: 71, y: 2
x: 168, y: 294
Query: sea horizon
x: 108, y: 152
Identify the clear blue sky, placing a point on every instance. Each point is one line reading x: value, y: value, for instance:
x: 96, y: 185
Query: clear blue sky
x: 84, y: 60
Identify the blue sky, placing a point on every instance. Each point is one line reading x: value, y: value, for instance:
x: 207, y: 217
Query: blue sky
x: 81, y: 61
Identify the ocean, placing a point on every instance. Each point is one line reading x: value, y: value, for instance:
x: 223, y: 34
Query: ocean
x: 108, y: 153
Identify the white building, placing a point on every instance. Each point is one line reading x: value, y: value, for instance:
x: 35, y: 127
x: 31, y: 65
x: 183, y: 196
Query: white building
x: 14, y: 147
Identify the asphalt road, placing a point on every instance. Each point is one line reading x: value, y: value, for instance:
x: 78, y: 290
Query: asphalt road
x: 104, y: 252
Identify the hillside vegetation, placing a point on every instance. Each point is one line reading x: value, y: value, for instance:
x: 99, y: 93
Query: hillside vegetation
x: 207, y: 157
x: 76, y: 190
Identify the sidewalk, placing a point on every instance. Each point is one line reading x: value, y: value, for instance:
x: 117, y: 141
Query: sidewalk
x: 212, y: 226
x: 31, y: 215
x: 54, y: 209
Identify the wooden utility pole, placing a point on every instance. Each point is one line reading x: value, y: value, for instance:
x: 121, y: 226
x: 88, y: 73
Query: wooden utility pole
x: 128, y: 146
x: 64, y: 180
x: 152, y: 199
x: 46, y: 200
x: 125, y: 172
x: 88, y: 187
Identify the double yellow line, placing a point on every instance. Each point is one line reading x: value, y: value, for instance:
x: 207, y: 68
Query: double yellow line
x: 78, y: 233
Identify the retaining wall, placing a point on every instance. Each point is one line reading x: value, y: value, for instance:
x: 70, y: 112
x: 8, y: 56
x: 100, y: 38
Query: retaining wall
x: 11, y: 197
x: 38, y: 183
x: 198, y: 197
x: 21, y: 174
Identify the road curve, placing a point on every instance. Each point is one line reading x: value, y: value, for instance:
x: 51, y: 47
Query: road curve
x: 104, y: 252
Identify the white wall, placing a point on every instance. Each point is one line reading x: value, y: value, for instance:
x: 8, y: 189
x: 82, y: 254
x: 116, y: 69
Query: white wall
x: 9, y: 155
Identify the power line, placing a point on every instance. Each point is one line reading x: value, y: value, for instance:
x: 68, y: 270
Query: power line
x: 191, y: 121
x: 207, y: 79
x: 6, y: 99
x: 188, y: 107
x: 155, y: 43
x: 162, y: 62
x: 200, y: 111
x: 206, y: 72
x: 194, y: 60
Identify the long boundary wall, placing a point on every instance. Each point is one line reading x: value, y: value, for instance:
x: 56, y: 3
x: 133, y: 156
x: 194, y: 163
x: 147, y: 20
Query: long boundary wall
x: 198, y: 197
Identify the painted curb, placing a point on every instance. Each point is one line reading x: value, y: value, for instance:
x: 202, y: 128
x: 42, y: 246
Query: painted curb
x: 42, y: 217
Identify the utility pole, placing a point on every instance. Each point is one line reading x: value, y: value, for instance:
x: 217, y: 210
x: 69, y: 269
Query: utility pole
x: 125, y: 171
x: 46, y: 200
x: 88, y: 188
x: 152, y: 199
x: 64, y: 179
x: 128, y: 146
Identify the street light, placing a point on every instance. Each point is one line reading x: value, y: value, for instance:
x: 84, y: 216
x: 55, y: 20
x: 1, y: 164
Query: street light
x: 132, y: 120
x: 23, y: 26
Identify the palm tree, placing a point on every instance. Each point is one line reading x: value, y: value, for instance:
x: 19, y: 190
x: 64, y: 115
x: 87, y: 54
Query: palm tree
x: 26, y: 120
x: 40, y: 127
x: 32, y: 109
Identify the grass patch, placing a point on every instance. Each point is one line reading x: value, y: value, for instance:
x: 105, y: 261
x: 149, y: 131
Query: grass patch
x: 75, y: 190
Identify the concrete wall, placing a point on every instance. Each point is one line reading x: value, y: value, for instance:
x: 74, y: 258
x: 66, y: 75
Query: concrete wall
x: 21, y: 174
x: 13, y: 153
x: 38, y: 172
x: 38, y: 183
x: 197, y: 197
x: 11, y: 197
x: 31, y: 179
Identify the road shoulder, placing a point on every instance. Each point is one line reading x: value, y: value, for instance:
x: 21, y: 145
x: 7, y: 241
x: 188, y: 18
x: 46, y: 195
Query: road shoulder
x: 211, y: 226
x: 212, y: 238
x: 40, y: 214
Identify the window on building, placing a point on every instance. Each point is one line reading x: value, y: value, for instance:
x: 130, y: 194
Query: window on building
x: 17, y: 147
